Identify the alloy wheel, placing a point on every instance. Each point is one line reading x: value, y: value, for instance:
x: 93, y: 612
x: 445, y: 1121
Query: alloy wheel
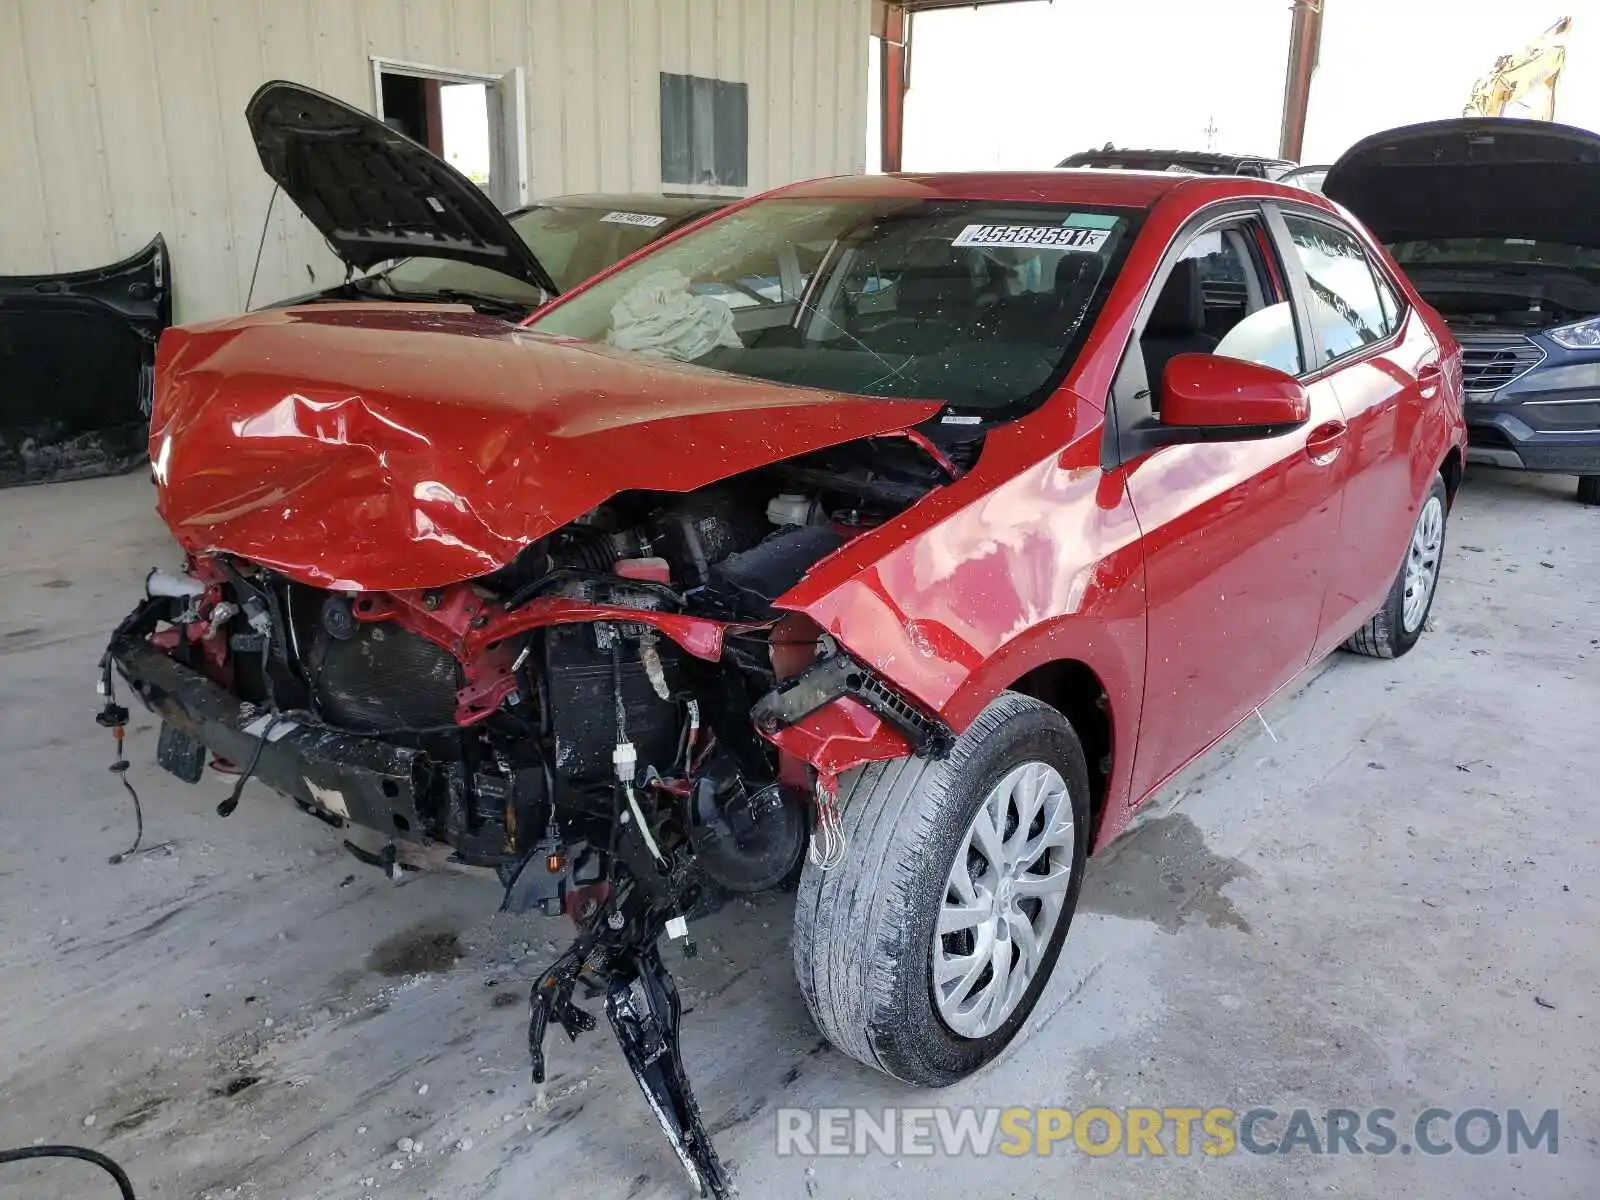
x: 1003, y: 899
x: 1422, y: 563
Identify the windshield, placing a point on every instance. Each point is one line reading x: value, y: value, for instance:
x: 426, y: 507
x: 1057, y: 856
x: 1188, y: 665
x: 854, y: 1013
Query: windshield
x: 571, y: 243
x: 979, y: 304
x: 1474, y: 252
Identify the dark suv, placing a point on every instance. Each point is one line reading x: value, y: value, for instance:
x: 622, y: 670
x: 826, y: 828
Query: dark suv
x: 1497, y: 222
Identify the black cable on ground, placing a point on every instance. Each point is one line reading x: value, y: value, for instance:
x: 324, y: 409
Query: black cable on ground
x: 22, y: 1154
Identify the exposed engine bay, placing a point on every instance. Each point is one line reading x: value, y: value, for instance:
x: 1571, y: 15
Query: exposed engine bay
x: 1506, y: 299
x: 593, y: 720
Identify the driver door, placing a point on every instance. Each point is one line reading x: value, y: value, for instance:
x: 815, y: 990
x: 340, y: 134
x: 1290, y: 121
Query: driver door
x: 1236, y: 534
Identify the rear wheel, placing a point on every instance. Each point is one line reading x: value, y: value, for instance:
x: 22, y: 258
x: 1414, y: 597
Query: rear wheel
x: 923, y: 952
x: 1397, y: 625
x: 1589, y: 489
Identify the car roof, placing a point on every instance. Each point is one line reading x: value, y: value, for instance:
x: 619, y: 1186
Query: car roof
x: 661, y: 204
x: 1116, y: 189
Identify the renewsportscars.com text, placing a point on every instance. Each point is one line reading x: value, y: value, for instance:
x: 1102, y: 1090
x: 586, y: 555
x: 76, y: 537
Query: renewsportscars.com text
x: 1160, y: 1132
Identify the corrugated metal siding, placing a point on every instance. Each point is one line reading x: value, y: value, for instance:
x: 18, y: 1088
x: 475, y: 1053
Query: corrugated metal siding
x: 123, y: 118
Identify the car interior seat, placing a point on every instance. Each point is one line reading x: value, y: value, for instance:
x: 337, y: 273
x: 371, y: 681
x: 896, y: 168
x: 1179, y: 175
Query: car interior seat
x: 1177, y: 324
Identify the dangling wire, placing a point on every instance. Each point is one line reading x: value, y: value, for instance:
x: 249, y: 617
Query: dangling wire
x: 120, y: 767
x: 115, y: 718
x: 232, y: 802
x: 826, y: 850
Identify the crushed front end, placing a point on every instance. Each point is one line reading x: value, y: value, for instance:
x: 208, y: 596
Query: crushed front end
x: 601, y: 720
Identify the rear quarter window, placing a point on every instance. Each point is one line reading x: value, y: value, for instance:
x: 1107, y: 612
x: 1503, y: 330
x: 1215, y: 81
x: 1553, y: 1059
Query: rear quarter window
x: 1347, y: 308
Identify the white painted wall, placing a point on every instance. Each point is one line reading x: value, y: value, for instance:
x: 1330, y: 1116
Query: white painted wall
x: 122, y: 118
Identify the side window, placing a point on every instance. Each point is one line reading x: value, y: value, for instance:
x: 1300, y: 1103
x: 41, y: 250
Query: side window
x: 1220, y: 298
x: 1345, y: 304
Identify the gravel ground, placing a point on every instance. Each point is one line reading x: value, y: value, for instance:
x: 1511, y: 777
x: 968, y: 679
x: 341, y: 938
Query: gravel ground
x: 1393, y: 904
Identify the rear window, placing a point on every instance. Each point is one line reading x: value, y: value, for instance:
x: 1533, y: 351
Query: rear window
x: 980, y: 305
x: 570, y: 243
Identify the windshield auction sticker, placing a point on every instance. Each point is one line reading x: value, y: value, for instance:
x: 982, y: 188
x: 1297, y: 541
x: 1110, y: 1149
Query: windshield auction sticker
x: 648, y: 220
x: 1054, y: 237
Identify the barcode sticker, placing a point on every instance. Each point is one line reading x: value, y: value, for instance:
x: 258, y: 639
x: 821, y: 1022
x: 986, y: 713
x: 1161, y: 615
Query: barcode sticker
x: 648, y: 220
x: 1053, y: 237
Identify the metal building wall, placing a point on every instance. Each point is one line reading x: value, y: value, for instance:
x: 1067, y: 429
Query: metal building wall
x: 122, y: 118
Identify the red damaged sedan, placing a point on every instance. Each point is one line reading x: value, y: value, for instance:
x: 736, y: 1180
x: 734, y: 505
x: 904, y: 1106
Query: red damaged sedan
x: 900, y: 534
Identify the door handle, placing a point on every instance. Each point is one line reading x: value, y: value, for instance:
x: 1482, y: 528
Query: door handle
x: 1325, y: 441
x: 1428, y: 377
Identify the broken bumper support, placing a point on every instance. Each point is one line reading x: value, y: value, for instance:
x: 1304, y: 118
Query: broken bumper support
x: 619, y: 949
x: 842, y: 675
x: 366, y: 781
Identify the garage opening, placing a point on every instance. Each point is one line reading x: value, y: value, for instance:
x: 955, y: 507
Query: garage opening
x: 471, y: 121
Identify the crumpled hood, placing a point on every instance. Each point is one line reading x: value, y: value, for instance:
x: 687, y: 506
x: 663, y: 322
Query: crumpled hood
x: 381, y: 447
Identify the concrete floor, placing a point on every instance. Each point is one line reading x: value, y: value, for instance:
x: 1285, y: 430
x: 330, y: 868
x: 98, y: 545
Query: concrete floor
x: 1395, y: 904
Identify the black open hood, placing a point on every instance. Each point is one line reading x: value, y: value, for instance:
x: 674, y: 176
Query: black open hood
x: 1474, y: 177
x: 77, y: 352
x: 373, y: 192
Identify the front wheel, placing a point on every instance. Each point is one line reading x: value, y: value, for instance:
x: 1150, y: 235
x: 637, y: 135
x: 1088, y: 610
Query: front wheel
x: 1397, y: 625
x: 1589, y: 489
x: 923, y: 952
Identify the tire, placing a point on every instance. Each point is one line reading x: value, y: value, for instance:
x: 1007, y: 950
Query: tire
x: 865, y: 929
x: 1589, y: 489
x: 1390, y: 633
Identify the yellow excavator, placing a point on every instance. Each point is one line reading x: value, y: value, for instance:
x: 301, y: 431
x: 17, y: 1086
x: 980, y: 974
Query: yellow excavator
x: 1524, y: 84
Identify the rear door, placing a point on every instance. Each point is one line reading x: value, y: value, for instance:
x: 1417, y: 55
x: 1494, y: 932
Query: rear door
x: 1379, y: 359
x: 1236, y: 534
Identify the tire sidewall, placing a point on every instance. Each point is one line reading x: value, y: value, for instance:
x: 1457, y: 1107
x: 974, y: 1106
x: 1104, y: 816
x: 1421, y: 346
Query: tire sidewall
x: 1034, y: 734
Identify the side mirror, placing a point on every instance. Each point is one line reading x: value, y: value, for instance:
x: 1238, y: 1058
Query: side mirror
x: 1230, y: 399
